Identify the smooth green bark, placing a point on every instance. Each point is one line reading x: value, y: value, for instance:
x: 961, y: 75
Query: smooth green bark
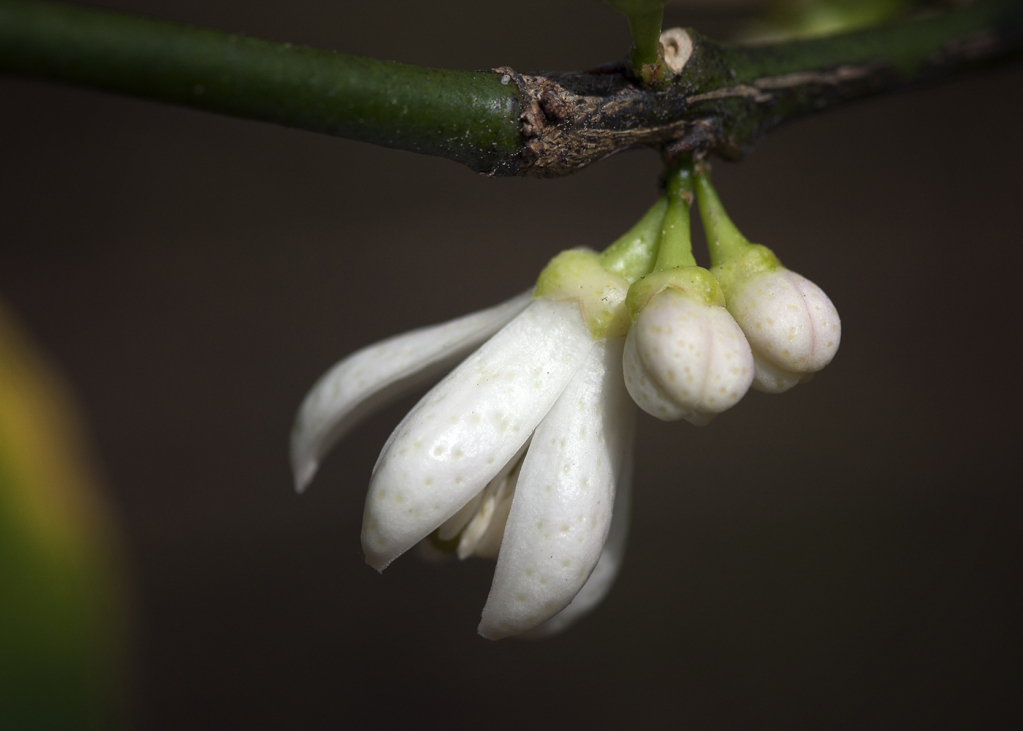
x: 469, y: 117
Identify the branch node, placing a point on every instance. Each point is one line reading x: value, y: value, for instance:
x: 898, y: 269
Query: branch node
x: 678, y: 47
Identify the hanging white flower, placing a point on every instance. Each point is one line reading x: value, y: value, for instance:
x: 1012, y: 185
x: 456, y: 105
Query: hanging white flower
x: 517, y: 453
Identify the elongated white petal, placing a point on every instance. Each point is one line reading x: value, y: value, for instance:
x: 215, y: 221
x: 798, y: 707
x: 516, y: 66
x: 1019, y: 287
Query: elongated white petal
x: 469, y: 426
x: 563, y: 500
x: 371, y: 378
x: 606, y: 570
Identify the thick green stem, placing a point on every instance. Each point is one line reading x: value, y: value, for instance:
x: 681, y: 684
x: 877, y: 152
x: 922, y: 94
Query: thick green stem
x: 469, y: 117
x: 723, y: 99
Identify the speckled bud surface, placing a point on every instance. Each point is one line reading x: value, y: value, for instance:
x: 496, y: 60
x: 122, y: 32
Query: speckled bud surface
x: 686, y: 360
x: 792, y: 327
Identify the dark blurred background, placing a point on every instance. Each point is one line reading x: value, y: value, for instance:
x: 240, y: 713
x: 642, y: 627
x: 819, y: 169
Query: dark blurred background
x: 846, y: 555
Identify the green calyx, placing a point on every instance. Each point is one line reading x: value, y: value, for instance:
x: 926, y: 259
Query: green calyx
x: 577, y: 274
x: 654, y: 255
x: 731, y: 273
x: 695, y: 283
x: 733, y: 258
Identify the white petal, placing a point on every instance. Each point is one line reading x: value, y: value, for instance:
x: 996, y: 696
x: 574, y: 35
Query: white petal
x: 460, y: 435
x: 606, y: 570
x: 376, y: 375
x: 563, y: 501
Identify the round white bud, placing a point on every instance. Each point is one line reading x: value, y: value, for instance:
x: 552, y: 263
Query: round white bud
x: 685, y: 359
x: 792, y: 327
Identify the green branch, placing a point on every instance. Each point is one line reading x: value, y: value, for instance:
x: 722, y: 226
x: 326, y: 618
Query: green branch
x: 721, y: 98
x: 468, y: 117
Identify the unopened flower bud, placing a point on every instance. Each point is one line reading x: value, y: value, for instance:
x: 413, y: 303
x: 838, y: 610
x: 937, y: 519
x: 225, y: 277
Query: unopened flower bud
x: 790, y: 323
x: 685, y: 356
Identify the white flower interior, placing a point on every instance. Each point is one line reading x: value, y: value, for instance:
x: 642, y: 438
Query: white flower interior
x: 479, y: 524
x: 519, y: 454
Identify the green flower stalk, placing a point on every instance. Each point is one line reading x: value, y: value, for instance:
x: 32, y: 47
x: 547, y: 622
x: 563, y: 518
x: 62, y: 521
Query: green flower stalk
x: 634, y: 253
x: 645, y: 17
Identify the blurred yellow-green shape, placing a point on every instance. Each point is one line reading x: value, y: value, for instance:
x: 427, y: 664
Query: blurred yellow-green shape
x: 61, y: 592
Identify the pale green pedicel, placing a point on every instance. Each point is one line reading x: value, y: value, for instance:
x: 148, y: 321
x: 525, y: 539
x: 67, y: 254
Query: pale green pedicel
x: 733, y: 258
x: 634, y: 253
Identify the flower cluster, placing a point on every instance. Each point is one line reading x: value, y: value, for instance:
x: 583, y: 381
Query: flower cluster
x: 522, y: 452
